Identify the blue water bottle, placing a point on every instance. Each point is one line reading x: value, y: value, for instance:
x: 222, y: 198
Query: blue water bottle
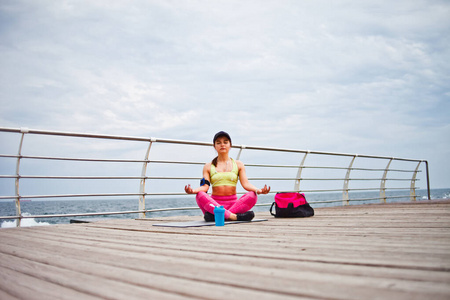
x: 219, y: 215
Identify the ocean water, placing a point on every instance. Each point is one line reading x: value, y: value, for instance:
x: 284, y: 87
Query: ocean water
x: 53, y: 207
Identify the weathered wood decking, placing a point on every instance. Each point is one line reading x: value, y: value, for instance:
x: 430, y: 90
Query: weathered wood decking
x: 389, y: 251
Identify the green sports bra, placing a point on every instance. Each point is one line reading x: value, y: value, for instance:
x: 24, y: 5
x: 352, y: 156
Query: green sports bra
x: 224, y: 178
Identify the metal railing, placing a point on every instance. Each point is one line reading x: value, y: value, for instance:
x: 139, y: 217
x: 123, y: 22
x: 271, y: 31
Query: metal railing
x: 295, y: 171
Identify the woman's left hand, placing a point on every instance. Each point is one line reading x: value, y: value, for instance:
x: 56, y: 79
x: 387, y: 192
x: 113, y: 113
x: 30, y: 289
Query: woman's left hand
x: 264, y: 190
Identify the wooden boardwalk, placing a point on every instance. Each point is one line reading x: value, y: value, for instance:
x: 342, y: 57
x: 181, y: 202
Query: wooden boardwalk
x: 380, y: 251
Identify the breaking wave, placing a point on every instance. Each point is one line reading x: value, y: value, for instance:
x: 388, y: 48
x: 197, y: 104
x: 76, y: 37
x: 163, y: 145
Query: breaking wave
x: 24, y: 223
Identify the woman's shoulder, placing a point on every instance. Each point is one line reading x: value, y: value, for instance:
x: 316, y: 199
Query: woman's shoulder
x: 207, y: 170
x: 239, y: 163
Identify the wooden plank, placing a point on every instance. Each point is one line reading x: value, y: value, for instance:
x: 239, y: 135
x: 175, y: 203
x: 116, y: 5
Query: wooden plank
x: 4, y: 295
x: 23, y: 286
x: 120, y: 237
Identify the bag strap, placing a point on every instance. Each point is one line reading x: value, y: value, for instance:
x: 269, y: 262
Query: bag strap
x: 271, y: 209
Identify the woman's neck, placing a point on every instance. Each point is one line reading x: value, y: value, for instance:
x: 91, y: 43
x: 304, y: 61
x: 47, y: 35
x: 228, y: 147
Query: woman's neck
x: 223, y: 158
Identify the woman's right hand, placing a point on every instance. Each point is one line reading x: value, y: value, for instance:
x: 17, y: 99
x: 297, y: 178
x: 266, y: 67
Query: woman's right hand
x: 188, y: 189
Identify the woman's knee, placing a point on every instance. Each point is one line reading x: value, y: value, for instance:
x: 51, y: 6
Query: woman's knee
x: 203, y: 199
x: 245, y: 203
x: 251, y: 197
x: 200, y: 195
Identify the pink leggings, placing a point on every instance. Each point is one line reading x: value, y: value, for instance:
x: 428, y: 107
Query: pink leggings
x: 231, y: 203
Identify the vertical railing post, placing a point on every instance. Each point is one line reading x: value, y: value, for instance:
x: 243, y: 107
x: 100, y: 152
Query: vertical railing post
x: 19, y: 156
x: 428, y: 181
x: 240, y: 152
x: 299, y: 173
x: 412, y: 191
x: 143, y: 177
x: 383, y: 183
x: 345, y: 196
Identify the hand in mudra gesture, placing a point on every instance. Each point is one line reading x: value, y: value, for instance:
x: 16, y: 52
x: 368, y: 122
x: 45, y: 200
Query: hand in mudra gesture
x: 264, y: 190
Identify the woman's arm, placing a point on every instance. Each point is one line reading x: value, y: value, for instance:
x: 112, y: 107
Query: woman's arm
x: 246, y: 184
x: 204, y: 188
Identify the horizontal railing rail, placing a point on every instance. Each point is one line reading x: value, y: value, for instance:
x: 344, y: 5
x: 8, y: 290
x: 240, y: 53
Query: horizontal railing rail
x: 390, y: 175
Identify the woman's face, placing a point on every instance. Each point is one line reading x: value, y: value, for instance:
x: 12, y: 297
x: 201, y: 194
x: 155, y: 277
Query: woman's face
x: 222, y: 145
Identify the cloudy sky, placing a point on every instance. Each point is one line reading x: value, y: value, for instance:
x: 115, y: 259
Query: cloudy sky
x: 367, y: 77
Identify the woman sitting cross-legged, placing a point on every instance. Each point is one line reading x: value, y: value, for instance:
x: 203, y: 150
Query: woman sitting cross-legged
x: 223, y: 173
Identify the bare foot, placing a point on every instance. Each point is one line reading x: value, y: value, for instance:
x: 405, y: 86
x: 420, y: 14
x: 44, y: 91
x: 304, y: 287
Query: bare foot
x: 232, y: 217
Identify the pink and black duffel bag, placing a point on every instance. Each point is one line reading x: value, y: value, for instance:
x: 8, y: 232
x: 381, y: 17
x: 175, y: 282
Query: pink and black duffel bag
x: 291, y: 205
